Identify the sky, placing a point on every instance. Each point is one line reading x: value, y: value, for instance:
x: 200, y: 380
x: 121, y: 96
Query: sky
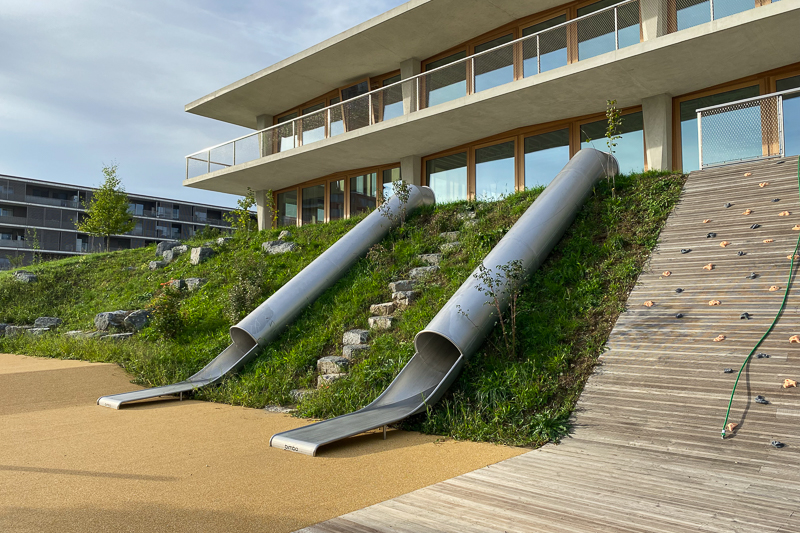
x: 87, y: 83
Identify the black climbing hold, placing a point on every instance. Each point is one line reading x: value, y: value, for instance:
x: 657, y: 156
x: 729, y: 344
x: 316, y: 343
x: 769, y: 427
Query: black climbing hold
x: 728, y: 371
x: 679, y: 315
x: 755, y: 226
x: 777, y: 443
x: 740, y: 254
x: 745, y: 316
x: 711, y: 235
x: 752, y: 275
x: 776, y: 199
x: 679, y: 290
x: 727, y: 204
x: 760, y: 399
x: 685, y: 250
x: 762, y: 355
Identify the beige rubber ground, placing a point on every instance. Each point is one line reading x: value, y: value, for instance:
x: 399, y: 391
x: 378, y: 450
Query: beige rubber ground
x: 68, y: 465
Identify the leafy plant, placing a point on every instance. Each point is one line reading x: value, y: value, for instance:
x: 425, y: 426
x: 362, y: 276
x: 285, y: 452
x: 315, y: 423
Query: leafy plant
x: 614, y: 123
x: 168, y: 319
x: 107, y: 213
x: 402, y: 191
x: 241, y: 219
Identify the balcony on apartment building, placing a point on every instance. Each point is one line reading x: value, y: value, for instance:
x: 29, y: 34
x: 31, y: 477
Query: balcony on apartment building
x: 558, y: 69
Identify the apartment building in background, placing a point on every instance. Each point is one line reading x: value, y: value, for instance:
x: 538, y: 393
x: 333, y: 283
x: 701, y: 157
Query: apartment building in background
x: 40, y: 216
x: 477, y: 99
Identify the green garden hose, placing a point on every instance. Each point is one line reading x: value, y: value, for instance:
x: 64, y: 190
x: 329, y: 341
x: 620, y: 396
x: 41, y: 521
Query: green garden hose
x: 774, y: 321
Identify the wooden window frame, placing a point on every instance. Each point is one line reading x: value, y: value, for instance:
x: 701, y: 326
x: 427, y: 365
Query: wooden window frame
x: 472, y: 163
x: 622, y: 113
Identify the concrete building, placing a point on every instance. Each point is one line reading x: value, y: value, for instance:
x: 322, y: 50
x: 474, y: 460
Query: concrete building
x: 41, y: 215
x: 477, y: 99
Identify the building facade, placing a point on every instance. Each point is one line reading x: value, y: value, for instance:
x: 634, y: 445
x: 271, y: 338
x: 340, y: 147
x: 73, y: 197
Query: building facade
x: 479, y: 99
x: 40, y: 216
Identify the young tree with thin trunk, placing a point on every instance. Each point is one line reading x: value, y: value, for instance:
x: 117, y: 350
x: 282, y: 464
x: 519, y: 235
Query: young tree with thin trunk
x: 107, y: 212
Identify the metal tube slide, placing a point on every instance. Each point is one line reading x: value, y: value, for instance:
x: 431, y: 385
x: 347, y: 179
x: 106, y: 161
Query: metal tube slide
x: 462, y: 325
x: 268, y: 320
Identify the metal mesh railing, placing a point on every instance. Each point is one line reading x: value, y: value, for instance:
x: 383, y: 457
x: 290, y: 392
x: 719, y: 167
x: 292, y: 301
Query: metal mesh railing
x: 743, y: 130
x: 596, y: 33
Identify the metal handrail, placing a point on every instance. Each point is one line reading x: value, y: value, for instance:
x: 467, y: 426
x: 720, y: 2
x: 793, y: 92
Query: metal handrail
x: 747, y: 100
x: 412, y: 79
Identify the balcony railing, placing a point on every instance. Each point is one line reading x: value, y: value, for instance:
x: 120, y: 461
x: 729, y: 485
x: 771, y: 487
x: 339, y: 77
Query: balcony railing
x: 52, y: 201
x: 744, y: 130
x: 596, y: 33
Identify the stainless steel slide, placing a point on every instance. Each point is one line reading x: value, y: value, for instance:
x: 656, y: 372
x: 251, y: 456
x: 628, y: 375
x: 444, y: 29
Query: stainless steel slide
x: 462, y: 325
x: 268, y: 320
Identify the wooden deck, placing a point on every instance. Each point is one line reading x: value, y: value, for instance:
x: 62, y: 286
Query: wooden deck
x: 646, y: 453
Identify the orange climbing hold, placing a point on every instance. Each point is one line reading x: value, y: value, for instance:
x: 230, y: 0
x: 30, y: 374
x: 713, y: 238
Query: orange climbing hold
x: 666, y: 273
x: 774, y: 288
x: 795, y: 257
x: 763, y: 184
x: 709, y: 266
x: 714, y: 302
x: 789, y: 383
x: 730, y: 427
x: 796, y: 227
x: 719, y: 338
x: 706, y: 221
x: 649, y: 303
x: 767, y: 241
x: 724, y: 243
x: 794, y: 338
x: 747, y: 211
x: 784, y: 214
x: 748, y: 174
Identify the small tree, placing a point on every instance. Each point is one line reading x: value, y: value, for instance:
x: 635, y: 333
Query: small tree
x: 107, y: 212
x: 240, y: 218
x: 614, y: 122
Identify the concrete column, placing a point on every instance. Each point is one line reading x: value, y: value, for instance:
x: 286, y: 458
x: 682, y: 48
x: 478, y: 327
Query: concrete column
x: 411, y: 169
x: 409, y: 68
x: 263, y: 211
x: 265, y: 143
x: 657, y: 114
x: 655, y: 18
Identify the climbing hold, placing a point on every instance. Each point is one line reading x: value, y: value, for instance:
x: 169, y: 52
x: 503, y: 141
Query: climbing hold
x: 780, y: 162
x: 794, y: 338
x: 796, y: 227
x: 679, y: 315
x: 740, y: 253
x: 726, y: 205
x: 752, y: 275
x: 762, y: 355
x: 776, y: 199
x: 767, y: 241
x: 706, y: 221
x: 649, y: 303
x: 724, y: 243
x: 747, y: 211
x: 787, y: 383
x: 728, y: 370
x: 666, y: 273
x: 784, y: 214
x: 709, y: 266
x: 685, y: 250
x: 714, y: 302
x: 793, y: 257
x: 755, y: 226
x: 777, y: 443
x: 760, y: 399
x: 679, y: 290
x: 773, y: 288
x: 745, y: 316
x: 746, y: 174
x: 711, y: 235
x: 719, y: 338
x: 731, y: 426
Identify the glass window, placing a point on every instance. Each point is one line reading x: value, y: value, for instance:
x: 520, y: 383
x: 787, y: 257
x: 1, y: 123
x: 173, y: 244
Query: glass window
x: 363, y: 193
x: 494, y: 171
x: 448, y: 83
x: 496, y: 67
x: 287, y: 208
x: 389, y: 176
x: 688, y: 109
x: 545, y: 156
x: 596, y: 33
x: 336, y: 118
x: 286, y: 133
x: 392, y: 99
x: 337, y: 200
x: 552, y: 47
x: 630, y: 146
x: 447, y: 176
x: 314, y: 204
x: 791, y: 114
x: 313, y: 123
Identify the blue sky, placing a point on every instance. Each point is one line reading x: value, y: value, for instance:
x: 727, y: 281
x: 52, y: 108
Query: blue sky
x: 85, y: 83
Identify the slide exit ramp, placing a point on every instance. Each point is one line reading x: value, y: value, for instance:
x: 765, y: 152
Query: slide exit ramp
x: 268, y: 320
x: 462, y: 325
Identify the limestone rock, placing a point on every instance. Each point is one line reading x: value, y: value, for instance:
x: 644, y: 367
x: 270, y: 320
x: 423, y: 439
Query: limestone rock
x: 327, y: 379
x: 37, y: 331
x: 381, y: 323
x: 75, y: 334
x: 155, y: 265
x: 24, y: 276
x: 450, y: 236
x: 172, y: 254
x: 285, y: 234
x: 113, y: 319
x: 384, y: 309
x: 471, y: 223
x: 279, y: 409
x: 421, y: 272
x: 351, y: 351
x: 47, y: 322
x: 224, y: 240
x: 201, y: 254
x: 332, y: 364
x: 163, y: 246
x: 467, y: 215
x: 431, y: 259
x: 13, y: 331
x: 298, y: 394
x: 402, y: 299
x: 138, y: 320
x: 450, y: 246
x: 3, y: 329
x: 355, y: 336
x: 402, y: 285
x: 279, y: 247
x: 177, y: 284
x: 195, y: 283
x: 95, y: 334
x: 118, y: 337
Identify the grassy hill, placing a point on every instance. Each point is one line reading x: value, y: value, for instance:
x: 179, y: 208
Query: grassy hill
x: 566, y: 311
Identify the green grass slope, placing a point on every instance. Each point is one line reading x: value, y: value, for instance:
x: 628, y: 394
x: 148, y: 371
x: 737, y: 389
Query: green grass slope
x: 521, y: 397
